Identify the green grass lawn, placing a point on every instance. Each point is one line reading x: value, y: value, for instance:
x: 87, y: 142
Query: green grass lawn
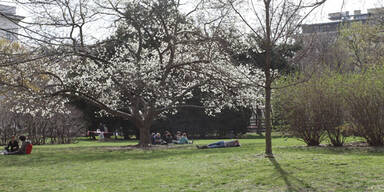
x: 96, y: 166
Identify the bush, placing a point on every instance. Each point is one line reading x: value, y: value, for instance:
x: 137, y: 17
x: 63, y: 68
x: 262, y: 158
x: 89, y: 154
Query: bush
x: 335, y: 105
x: 60, y: 128
x: 313, y: 110
x: 365, y: 101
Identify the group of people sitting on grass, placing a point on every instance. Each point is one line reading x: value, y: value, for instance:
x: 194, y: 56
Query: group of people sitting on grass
x: 13, y: 146
x: 167, y: 138
x: 181, y: 138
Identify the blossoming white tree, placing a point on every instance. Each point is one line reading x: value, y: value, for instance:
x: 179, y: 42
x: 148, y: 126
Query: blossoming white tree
x: 152, y: 68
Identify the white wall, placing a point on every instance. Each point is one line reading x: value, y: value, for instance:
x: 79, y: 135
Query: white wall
x: 6, y: 24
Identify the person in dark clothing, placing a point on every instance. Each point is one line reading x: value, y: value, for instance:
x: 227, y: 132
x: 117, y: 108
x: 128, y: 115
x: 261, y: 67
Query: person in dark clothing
x: 23, y: 148
x: 13, y: 145
x: 153, y: 138
x: 168, y: 137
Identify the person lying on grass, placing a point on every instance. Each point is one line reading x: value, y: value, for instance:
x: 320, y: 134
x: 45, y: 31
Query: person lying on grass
x: 13, y: 145
x: 220, y: 144
x: 22, y: 149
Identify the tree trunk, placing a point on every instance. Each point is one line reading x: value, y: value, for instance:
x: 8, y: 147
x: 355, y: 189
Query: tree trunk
x: 268, y: 121
x: 268, y: 82
x: 144, y: 136
x: 144, y: 129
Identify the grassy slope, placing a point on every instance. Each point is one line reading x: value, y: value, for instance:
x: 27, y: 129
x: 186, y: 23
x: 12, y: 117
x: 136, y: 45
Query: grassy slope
x: 87, y: 166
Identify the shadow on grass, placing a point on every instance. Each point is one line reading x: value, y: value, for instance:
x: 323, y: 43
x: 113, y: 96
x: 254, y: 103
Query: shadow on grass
x: 293, y: 183
x: 107, y: 140
x: 85, y: 155
x: 370, y: 151
x: 254, y: 136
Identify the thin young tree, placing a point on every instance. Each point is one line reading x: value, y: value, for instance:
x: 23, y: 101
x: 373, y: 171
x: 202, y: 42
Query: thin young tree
x: 271, y: 23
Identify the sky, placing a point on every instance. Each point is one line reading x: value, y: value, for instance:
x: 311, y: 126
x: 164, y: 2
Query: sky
x: 350, y: 5
x: 329, y: 7
x: 318, y: 16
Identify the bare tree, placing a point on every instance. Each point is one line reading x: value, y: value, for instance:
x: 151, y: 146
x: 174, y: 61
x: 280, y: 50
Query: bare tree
x: 271, y: 22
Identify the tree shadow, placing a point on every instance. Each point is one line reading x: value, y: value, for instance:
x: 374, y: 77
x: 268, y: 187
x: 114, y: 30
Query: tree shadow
x: 330, y: 150
x: 263, y: 137
x: 293, y: 183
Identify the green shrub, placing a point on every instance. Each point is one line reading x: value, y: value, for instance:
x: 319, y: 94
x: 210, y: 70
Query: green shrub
x: 313, y: 110
x: 364, y: 97
x: 334, y: 105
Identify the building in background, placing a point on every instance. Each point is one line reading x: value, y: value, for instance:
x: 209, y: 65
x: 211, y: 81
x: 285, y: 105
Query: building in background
x: 320, y: 40
x: 9, y: 22
x: 340, y: 19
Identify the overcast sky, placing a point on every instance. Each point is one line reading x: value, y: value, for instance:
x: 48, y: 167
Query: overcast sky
x: 350, y: 5
x: 320, y: 15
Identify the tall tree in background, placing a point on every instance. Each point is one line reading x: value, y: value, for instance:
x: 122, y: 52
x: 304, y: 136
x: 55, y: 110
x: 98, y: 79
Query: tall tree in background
x: 364, y: 43
x: 271, y: 23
